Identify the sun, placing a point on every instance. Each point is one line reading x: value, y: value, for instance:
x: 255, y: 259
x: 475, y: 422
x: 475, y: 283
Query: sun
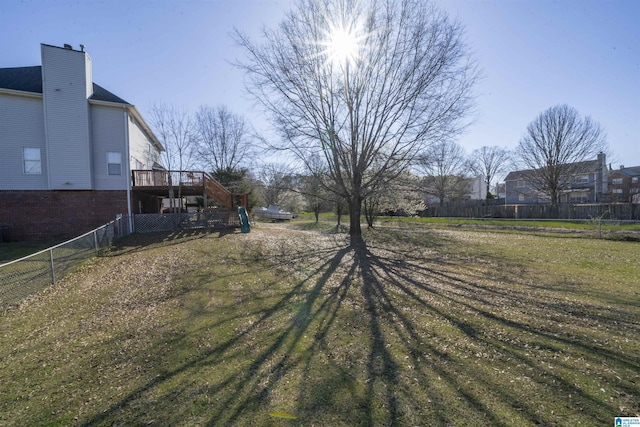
x: 342, y: 45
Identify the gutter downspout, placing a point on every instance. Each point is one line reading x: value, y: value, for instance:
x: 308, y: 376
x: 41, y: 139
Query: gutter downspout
x: 128, y: 168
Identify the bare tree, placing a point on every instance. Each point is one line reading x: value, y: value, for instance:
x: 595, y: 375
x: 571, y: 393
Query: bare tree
x: 443, y: 166
x: 316, y: 198
x: 224, y: 138
x: 174, y: 129
x: 398, y: 197
x: 556, y: 146
x: 361, y: 83
x: 489, y: 162
x: 279, y: 184
x: 312, y: 188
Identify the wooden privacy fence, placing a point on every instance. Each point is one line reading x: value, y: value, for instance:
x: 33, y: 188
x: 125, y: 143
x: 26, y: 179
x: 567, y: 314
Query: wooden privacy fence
x: 482, y: 209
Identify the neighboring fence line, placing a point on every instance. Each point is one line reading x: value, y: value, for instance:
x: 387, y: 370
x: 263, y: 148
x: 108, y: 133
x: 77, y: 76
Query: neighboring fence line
x: 485, y: 209
x: 33, y: 273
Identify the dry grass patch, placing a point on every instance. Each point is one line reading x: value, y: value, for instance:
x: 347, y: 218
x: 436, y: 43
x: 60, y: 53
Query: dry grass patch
x: 414, y: 327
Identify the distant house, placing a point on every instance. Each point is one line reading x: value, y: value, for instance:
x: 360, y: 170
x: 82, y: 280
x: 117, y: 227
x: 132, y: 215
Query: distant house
x: 67, y: 148
x: 453, y: 188
x: 476, y: 188
x: 583, y: 182
x: 624, y: 184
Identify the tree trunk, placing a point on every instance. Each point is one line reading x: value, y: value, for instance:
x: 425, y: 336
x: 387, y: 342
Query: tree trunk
x: 355, y: 230
x: 339, y: 212
x: 554, y: 196
x: 370, y: 211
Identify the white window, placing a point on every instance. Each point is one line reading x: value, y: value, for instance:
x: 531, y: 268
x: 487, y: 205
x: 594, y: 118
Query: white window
x: 582, y: 179
x: 521, y: 197
x: 616, y: 181
x: 114, y: 163
x: 634, y: 180
x: 617, y: 190
x: 520, y: 184
x: 32, y: 161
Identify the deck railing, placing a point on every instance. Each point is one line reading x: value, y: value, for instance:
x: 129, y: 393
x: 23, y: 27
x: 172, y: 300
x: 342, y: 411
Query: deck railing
x: 156, y: 178
x: 192, y: 179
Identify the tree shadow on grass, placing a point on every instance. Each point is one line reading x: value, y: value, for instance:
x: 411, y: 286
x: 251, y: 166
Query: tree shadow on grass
x: 479, y: 314
x: 376, y: 335
x: 251, y: 380
x: 144, y: 241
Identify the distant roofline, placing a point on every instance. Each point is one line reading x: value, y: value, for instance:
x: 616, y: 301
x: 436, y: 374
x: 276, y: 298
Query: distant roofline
x: 523, y: 172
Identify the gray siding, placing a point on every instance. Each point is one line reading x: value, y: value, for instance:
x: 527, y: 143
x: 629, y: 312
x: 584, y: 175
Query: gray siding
x: 72, y: 133
x: 66, y: 115
x: 22, y: 125
x: 526, y: 194
x: 143, y: 152
x: 108, y: 133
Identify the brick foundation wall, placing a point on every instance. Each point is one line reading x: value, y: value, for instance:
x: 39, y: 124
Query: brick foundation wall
x: 49, y: 215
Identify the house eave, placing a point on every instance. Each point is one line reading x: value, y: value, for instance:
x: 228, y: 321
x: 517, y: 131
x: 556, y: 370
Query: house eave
x: 107, y: 103
x: 21, y: 93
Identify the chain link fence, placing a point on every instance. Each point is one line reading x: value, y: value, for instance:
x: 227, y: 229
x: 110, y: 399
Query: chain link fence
x: 146, y: 223
x: 31, y: 274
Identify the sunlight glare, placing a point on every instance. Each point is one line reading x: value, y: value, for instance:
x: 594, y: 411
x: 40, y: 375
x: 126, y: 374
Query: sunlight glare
x: 342, y: 45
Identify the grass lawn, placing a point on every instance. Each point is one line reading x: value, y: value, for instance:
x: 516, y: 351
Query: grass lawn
x: 419, y: 326
x: 606, y: 229
x: 14, y: 250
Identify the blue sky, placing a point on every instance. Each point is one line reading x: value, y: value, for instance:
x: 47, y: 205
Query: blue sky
x: 533, y: 53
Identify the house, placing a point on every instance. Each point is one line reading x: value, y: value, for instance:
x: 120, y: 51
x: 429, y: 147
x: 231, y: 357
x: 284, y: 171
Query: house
x: 454, y: 188
x: 476, y: 188
x: 624, y: 184
x: 67, y: 149
x: 581, y: 182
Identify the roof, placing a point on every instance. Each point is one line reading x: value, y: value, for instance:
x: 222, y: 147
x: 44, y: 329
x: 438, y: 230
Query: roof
x: 514, y: 175
x: 578, y: 167
x: 29, y: 79
x: 101, y: 94
x: 631, y: 171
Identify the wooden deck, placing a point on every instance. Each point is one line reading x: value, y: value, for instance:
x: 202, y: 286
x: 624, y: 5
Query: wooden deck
x: 189, y: 183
